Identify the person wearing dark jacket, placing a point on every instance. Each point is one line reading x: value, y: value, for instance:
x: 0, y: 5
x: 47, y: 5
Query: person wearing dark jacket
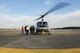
x: 27, y: 30
x: 33, y: 29
x: 30, y: 29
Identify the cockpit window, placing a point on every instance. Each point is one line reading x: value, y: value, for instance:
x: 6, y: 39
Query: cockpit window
x: 42, y: 24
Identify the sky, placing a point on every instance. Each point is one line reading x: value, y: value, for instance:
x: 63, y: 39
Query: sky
x: 18, y: 13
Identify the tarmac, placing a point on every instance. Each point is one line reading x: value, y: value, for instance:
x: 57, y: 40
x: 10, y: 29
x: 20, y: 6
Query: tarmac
x: 58, y: 39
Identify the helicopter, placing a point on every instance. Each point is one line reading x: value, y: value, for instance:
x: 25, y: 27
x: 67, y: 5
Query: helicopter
x: 42, y: 26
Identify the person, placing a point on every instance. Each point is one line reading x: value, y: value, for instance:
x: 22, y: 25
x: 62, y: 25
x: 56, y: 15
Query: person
x: 22, y: 30
x: 30, y: 29
x: 27, y: 30
x: 33, y: 29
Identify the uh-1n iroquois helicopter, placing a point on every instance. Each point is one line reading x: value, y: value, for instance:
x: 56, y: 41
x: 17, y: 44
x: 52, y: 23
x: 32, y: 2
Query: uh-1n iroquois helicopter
x: 42, y: 26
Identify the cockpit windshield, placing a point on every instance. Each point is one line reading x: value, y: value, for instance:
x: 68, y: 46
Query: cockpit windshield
x: 42, y: 24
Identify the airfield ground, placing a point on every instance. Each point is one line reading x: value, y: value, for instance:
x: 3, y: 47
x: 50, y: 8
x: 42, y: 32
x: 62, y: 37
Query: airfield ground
x: 60, y: 41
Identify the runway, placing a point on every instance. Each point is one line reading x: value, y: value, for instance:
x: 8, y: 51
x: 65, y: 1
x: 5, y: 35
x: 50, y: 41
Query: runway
x: 59, y: 39
x: 56, y: 42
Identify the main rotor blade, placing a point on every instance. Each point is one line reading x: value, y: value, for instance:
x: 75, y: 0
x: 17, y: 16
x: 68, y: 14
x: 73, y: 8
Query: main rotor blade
x: 56, y: 7
x: 40, y: 17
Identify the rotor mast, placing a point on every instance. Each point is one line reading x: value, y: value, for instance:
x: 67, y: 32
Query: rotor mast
x: 42, y: 17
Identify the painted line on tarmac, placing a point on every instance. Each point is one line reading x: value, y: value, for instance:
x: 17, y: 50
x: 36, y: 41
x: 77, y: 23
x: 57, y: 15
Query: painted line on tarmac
x: 9, y: 44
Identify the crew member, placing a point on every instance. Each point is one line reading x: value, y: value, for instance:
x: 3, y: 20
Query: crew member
x: 22, y: 30
x: 30, y: 29
x: 27, y: 30
x: 33, y: 29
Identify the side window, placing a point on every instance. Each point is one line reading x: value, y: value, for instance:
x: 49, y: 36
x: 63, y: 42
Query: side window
x: 45, y: 23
